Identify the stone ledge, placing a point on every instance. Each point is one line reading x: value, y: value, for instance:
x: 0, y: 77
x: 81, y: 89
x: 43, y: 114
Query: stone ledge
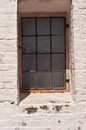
x: 47, y: 103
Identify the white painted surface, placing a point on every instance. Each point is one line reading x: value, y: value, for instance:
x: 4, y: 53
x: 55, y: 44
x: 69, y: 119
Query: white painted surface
x: 13, y: 117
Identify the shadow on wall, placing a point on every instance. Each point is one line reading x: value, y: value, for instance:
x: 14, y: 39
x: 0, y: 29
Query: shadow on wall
x: 23, y: 95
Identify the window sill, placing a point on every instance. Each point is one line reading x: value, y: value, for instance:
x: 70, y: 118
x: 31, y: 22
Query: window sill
x: 49, y: 99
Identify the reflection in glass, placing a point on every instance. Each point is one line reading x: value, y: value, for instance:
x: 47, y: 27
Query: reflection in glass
x: 43, y: 80
x: 58, y: 44
x: 57, y: 26
x: 28, y: 26
x: 58, y: 80
x: 29, y: 80
x: 43, y: 44
x: 58, y: 62
x: 29, y: 62
x: 43, y: 62
x: 43, y: 26
x: 29, y: 45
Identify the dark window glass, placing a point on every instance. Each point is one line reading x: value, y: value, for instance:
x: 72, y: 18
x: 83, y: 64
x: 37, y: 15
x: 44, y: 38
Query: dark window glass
x: 43, y: 62
x: 29, y: 62
x: 58, y: 80
x: 29, y: 80
x: 58, y: 62
x: 43, y: 26
x: 58, y: 44
x: 43, y: 80
x: 57, y: 26
x: 43, y: 44
x: 29, y: 44
x: 28, y: 26
x: 44, y: 57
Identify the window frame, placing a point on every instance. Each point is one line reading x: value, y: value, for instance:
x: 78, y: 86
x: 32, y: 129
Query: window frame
x: 38, y: 15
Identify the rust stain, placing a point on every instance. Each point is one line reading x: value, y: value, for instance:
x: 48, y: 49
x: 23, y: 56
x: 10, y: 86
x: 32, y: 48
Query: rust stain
x: 46, y: 91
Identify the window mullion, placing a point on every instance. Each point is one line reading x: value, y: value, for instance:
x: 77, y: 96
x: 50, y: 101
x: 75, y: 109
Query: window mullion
x: 36, y: 41
x: 50, y: 53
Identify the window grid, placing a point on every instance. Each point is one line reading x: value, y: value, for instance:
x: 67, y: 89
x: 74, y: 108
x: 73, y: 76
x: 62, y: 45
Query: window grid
x: 51, y: 53
x: 53, y: 74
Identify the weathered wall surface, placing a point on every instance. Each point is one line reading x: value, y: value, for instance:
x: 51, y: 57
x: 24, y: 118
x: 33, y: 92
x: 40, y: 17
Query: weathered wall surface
x: 78, y: 49
x: 63, y: 117
x: 8, y: 50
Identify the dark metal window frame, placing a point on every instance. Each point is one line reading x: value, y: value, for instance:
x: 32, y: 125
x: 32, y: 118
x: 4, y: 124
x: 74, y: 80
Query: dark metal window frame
x: 50, y: 36
x: 61, y: 15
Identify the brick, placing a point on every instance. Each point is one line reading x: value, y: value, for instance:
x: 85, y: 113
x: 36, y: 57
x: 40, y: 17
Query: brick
x: 69, y: 118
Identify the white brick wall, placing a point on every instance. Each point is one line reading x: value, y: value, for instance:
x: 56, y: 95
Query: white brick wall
x: 8, y: 50
x: 70, y: 117
x: 79, y: 48
x: 8, y: 47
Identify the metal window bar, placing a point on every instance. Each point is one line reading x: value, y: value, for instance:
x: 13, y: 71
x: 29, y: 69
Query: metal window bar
x: 50, y: 48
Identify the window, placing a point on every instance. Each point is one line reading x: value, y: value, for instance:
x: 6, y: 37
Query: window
x: 43, y: 53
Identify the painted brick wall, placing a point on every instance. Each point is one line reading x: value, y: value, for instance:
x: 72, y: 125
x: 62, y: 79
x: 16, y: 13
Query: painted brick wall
x: 8, y: 50
x: 70, y: 117
x: 78, y: 49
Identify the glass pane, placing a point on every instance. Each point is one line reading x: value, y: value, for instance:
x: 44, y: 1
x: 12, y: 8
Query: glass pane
x: 28, y: 26
x: 29, y: 80
x: 29, y: 62
x: 43, y: 80
x: 29, y: 45
x: 43, y: 62
x: 57, y: 26
x: 43, y: 44
x: 43, y: 26
x: 58, y: 62
x: 58, y: 80
x: 58, y: 44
